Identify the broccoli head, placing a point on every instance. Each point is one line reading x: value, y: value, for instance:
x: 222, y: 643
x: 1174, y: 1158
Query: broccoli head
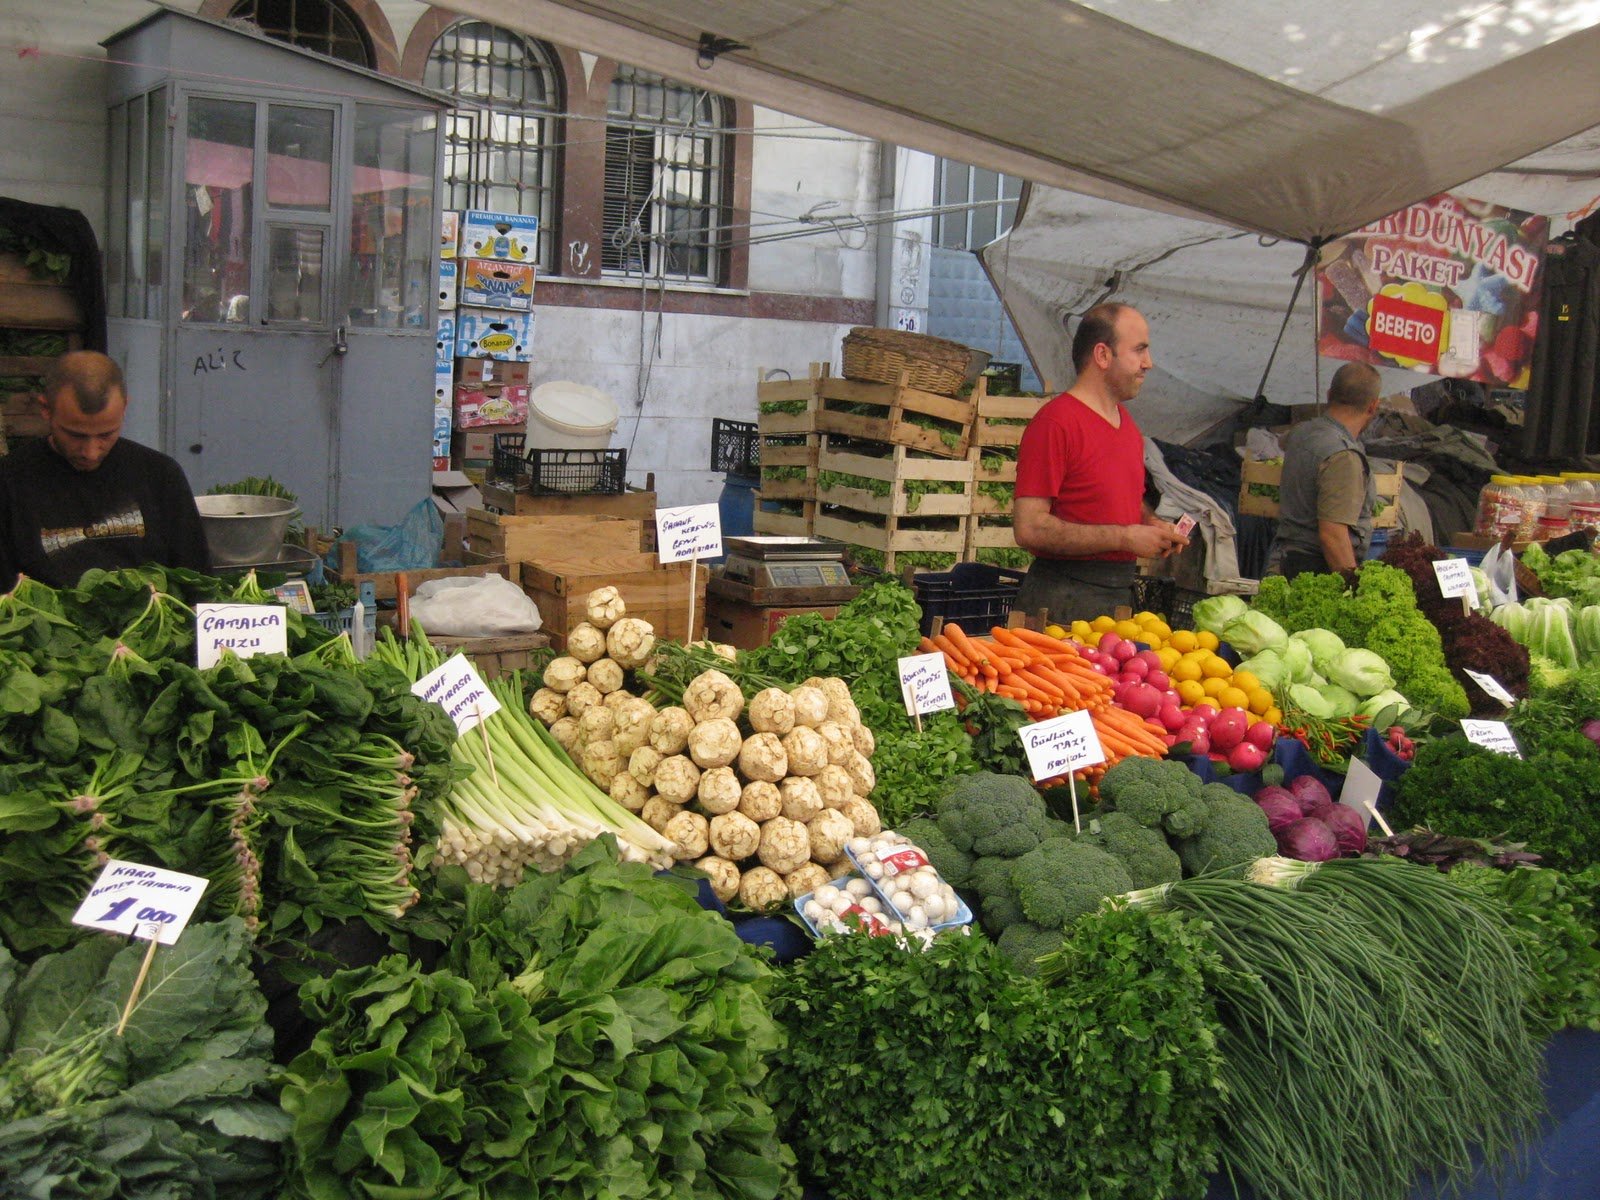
x: 997, y: 898
x: 989, y: 814
x: 1235, y: 833
x: 1148, y: 789
x: 1059, y: 881
x: 1025, y: 943
x: 955, y: 865
x: 1144, y: 853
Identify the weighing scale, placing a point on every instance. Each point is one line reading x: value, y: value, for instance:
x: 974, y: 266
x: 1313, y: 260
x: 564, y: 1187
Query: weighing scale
x: 773, y: 564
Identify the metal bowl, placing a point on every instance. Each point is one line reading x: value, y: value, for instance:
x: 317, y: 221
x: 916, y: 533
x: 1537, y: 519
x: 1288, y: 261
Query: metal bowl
x: 244, y: 529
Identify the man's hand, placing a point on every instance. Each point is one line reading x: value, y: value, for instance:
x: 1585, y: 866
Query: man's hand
x: 1155, y: 539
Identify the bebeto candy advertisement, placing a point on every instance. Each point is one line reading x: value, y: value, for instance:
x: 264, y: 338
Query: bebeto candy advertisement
x: 1449, y: 286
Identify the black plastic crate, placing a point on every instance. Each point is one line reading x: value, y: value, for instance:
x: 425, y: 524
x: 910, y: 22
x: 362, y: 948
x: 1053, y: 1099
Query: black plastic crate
x: 1154, y: 593
x: 558, y: 471
x: 974, y: 596
x: 735, y: 447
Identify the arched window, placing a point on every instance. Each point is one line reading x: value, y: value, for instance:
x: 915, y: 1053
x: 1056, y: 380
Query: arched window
x: 325, y: 26
x: 498, y: 150
x: 665, y: 179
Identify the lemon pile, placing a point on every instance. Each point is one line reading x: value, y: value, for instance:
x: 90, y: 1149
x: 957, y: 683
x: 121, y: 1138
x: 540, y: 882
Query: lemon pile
x: 1198, y: 673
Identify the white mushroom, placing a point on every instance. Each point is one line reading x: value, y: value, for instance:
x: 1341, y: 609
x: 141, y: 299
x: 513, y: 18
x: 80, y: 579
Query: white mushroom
x: 785, y: 845
x: 724, y: 876
x: 586, y: 643
x: 677, y: 779
x: 771, y: 711
x: 627, y: 791
x: 763, y: 758
x: 830, y: 830
x: 642, y: 764
x: 801, y: 800
x: 760, y: 801
x: 719, y: 790
x: 734, y: 836
x: 762, y: 889
x: 840, y: 744
x: 806, y: 750
x: 711, y: 695
x: 630, y: 642
x: 714, y: 743
x: 669, y: 730
x: 547, y: 706
x: 582, y: 697
x: 564, y: 673
x: 807, y: 877
x: 862, y: 777
x: 604, y: 607
x: 606, y: 675
x: 834, y: 786
x: 810, y: 706
x: 689, y: 834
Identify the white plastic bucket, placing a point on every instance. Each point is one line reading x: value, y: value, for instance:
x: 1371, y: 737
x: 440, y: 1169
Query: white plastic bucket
x: 569, y: 416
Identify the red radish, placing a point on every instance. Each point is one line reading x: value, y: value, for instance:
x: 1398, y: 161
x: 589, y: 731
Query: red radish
x: 1171, y: 739
x: 1142, y: 700
x: 1172, y: 717
x: 1123, y: 651
x: 1228, y: 728
x: 1261, y: 734
x: 1150, y: 658
x: 1137, y: 668
x: 1099, y: 668
x: 1158, y: 680
x: 1247, y: 756
x: 1200, y: 743
x: 1206, y: 708
x: 1108, y: 642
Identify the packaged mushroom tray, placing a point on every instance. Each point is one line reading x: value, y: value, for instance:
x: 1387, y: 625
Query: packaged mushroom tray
x: 914, y: 893
x: 761, y: 792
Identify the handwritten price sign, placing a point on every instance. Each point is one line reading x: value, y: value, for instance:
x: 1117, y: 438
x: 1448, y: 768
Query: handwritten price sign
x: 457, y: 688
x: 245, y: 629
x: 693, y: 531
x: 1491, y: 735
x: 925, y: 684
x: 1061, y: 745
x: 1455, y: 578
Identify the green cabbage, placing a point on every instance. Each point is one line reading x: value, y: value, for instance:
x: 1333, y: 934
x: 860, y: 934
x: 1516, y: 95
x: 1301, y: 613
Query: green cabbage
x: 1297, y: 659
x: 1341, y: 701
x: 1586, y: 632
x: 1214, y: 613
x: 1310, y: 701
x: 1373, y: 705
x: 1360, y: 671
x: 1268, y: 667
x: 1549, y: 635
x: 1252, y: 632
x: 1513, y: 618
x: 1323, y: 644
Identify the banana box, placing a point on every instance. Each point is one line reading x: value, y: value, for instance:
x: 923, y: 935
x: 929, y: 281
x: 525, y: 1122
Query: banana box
x: 449, y: 232
x: 492, y: 405
x: 494, y: 333
x: 443, y: 383
x: 447, y: 284
x: 496, y: 283
x: 511, y: 236
x: 444, y: 345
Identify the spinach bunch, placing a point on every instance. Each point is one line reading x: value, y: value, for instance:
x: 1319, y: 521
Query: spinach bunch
x: 178, y: 1105
x: 593, y: 1032
x: 863, y: 645
x: 951, y: 1073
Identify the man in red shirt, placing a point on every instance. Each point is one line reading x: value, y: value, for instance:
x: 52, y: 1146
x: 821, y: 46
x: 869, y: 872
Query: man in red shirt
x: 1080, y: 477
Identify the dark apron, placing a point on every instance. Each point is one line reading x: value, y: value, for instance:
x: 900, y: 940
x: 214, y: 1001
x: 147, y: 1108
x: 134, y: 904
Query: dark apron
x: 1073, y: 589
x: 1298, y: 562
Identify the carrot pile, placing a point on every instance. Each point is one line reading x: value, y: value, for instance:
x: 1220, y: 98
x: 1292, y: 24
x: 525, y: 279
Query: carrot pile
x: 1047, y: 677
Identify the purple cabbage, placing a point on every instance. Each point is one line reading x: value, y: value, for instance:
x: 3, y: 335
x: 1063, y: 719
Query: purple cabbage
x: 1281, y: 807
x: 1309, y: 839
x: 1349, y: 828
x: 1311, y: 793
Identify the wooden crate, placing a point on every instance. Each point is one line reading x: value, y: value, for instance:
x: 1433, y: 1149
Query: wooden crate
x: 386, y: 584
x: 898, y: 468
x: 27, y: 302
x: 788, y: 391
x: 631, y: 504
x: 991, y: 425
x: 536, y: 538
x: 800, y: 454
x: 496, y: 656
x: 781, y: 524
x: 651, y: 591
x: 1271, y: 474
x: 895, y: 405
x: 886, y: 536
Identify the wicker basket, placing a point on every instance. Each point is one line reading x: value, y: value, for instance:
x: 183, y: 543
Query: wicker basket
x: 885, y: 355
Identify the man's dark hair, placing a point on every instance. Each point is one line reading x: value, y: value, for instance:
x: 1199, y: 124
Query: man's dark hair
x: 93, y: 379
x: 1355, y: 385
x: 1097, y: 325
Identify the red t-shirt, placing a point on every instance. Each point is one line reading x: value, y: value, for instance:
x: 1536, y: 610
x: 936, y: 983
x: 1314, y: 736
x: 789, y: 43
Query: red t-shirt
x: 1093, y: 473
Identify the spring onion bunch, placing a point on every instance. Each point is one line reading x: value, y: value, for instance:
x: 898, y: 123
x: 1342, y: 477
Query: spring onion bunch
x: 523, y: 803
x: 1373, y: 1028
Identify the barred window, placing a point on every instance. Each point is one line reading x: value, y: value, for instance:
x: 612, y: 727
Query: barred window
x: 498, y: 146
x: 976, y: 226
x: 664, y: 188
x: 324, y: 26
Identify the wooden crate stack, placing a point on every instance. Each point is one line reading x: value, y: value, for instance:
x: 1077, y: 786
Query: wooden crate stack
x: 996, y: 435
x: 31, y: 309
x: 788, y: 443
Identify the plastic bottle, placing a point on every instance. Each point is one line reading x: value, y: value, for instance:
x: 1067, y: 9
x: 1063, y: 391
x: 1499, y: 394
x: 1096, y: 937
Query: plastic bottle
x: 1555, y: 521
x: 1584, y: 512
x: 1532, y: 489
x: 1498, y: 506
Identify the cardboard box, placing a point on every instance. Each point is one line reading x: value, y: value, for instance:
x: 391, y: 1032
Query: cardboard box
x: 513, y: 236
x: 537, y: 539
x: 441, y: 420
x: 453, y: 492
x: 653, y: 592
x: 441, y: 462
x: 1271, y: 474
x: 491, y: 370
x: 495, y: 283
x: 449, y: 232
x: 491, y: 405
x: 491, y: 333
x: 444, y: 385
x: 1480, y: 541
x: 747, y: 626
x: 448, y: 284
x: 444, y: 346
x: 479, y: 442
